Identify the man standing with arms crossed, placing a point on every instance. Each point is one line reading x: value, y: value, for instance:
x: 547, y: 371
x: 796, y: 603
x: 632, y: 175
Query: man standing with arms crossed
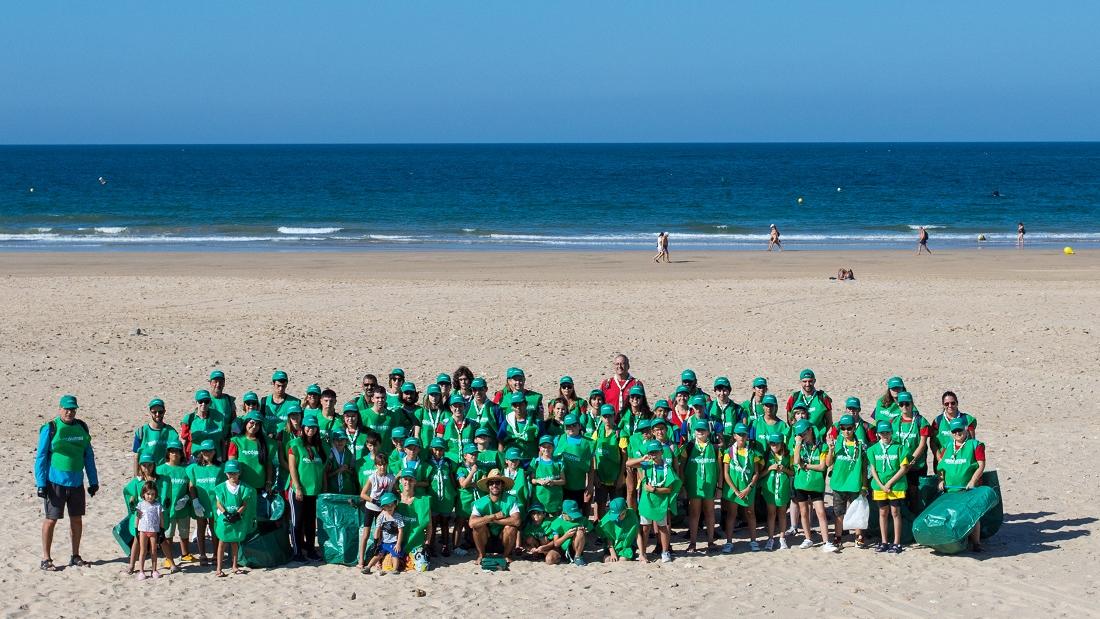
x: 64, y: 454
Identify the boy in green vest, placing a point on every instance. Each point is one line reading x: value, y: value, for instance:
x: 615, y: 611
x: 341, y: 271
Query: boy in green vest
x: 888, y: 468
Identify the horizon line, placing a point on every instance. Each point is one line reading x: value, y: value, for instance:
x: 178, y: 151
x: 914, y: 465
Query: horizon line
x: 551, y: 143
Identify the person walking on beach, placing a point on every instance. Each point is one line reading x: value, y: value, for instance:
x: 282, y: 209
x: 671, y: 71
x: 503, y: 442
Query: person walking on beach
x: 922, y: 241
x: 64, y: 455
x: 774, y: 241
x: 662, y: 247
x: 1020, y: 234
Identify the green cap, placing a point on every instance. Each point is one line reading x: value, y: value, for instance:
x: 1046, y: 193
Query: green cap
x: 517, y: 398
x: 202, y: 395
x: 606, y: 410
x: 852, y: 403
x: 807, y: 373
x: 616, y: 506
x: 68, y: 402
x: 313, y: 389
x: 279, y: 375
x: 432, y: 389
x: 438, y: 443
x: 801, y: 406
x: 661, y: 404
x: 174, y: 444
x: 254, y: 416
x: 217, y: 374
x: 652, y: 446
x: 801, y: 426
x: 700, y: 424
x: 769, y: 400
x: 957, y: 423
x: 232, y: 466
x: 637, y: 390
x: 659, y: 421
x: 546, y: 439
x: 895, y: 382
x: 594, y: 393
x: 570, y: 508
x: 397, y: 372
x: 338, y: 434
x: 846, y: 420
x: 722, y: 381
x: 250, y: 396
x: 687, y: 375
x: 536, y: 507
x: 349, y: 407
x: 565, y: 380
x: 411, y: 442
x: 775, y: 438
x: 156, y: 402
x: 478, y: 383
x: 682, y: 389
x: 513, y: 453
x: 207, y: 445
x: 698, y: 401
x: 469, y: 448
x: 883, y: 426
x: 310, y: 422
x: 457, y: 400
x: 759, y: 381
x: 295, y: 409
x: 408, y: 472
x: 408, y: 387
x: 442, y: 378
x: 905, y: 397
x: 571, y: 420
x: 643, y: 425
x: 740, y: 428
x: 387, y: 498
x: 482, y: 432
x: 400, y: 432
x: 515, y: 373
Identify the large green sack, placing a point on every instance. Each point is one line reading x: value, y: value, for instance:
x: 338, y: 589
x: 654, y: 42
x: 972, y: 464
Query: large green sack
x: 928, y: 490
x: 946, y: 523
x: 994, y: 518
x: 270, y: 507
x: 268, y: 546
x: 123, y: 535
x: 338, y: 522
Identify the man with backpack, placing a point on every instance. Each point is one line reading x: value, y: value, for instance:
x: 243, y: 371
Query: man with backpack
x: 64, y: 455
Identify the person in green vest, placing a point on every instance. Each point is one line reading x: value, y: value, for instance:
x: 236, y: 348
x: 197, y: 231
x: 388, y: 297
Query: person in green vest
x: 961, y: 466
x: 753, y: 408
x: 203, y: 424
x: 888, y: 465
x: 341, y: 468
x: 634, y: 454
x: 286, y: 432
x: 619, y: 529
x: 810, y: 464
x: 415, y: 508
x: 817, y: 402
x: 396, y: 381
x: 570, y: 533
x: 311, y: 405
x: 567, y: 394
x: 466, y: 477
x: 306, y: 464
x: 483, y: 411
x: 660, y: 432
x: 495, y: 518
x: 941, y: 425
x: 275, y: 404
x: 886, y: 407
x: 397, y: 443
x: 776, y: 489
x: 610, y: 473
x: 847, y: 460
x: 255, y: 454
x: 204, y: 475
x: 635, y: 410
x: 64, y: 454
x: 379, y: 419
x: 443, y: 496
x: 700, y: 475
x: 459, y: 430
x: 912, y: 431
x: 724, y: 410
x: 577, y: 455
x: 153, y: 437
x: 554, y: 423
x: 433, y: 416
x: 689, y: 380
x: 697, y: 408
x: 356, y: 433
x: 176, y: 516
x: 741, y: 471
x: 659, y: 486
x: 513, y: 469
x: 132, y: 494
x: 592, y: 414
x: 328, y: 418
x: 767, y: 424
x: 409, y: 407
x: 864, y: 430
x: 366, y: 399
x: 235, y: 504
x: 413, y: 460
x: 516, y: 382
x: 443, y: 381
x: 249, y: 402
x: 489, y: 455
x: 223, y: 406
x: 547, y: 475
x: 536, y: 530
x: 520, y: 429
x: 661, y: 409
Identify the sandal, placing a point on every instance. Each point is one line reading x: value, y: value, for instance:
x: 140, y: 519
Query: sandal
x: 220, y: 574
x: 76, y: 561
x: 240, y: 572
x: 47, y: 565
x: 365, y: 571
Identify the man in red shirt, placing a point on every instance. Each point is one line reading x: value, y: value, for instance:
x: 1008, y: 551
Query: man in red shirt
x: 616, y: 388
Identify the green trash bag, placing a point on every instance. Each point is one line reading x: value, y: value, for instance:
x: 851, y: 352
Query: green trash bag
x: 338, y: 523
x: 947, y: 521
x: 906, y: 522
x: 994, y: 518
x: 270, y: 507
x: 928, y: 490
x: 268, y: 546
x: 123, y: 535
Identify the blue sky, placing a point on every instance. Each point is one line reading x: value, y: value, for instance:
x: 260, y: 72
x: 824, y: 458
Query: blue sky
x: 521, y: 71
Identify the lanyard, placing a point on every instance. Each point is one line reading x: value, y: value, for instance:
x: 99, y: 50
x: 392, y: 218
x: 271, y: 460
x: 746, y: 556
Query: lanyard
x: 434, y: 419
x: 735, y: 460
x: 514, y: 425
x: 651, y: 476
x: 622, y: 390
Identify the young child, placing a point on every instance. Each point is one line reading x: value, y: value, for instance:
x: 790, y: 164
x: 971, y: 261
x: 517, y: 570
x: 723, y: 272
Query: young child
x: 443, y: 496
x: 777, y: 489
x: 810, y: 460
x: 204, y: 475
x: 570, y: 532
x: 888, y: 468
x: 700, y: 470
x: 536, y: 531
x: 177, y: 513
x: 235, y: 503
x: 660, y: 484
x: 379, y: 482
x: 741, y: 473
x: 131, y: 494
x: 389, y: 534
x: 466, y: 478
x: 619, y: 527
x: 547, y: 476
x: 521, y: 488
x: 847, y: 459
x: 148, y: 528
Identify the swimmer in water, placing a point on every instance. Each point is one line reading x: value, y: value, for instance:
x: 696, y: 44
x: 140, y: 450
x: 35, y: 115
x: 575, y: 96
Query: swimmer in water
x: 1020, y: 232
x: 774, y: 240
x: 102, y: 181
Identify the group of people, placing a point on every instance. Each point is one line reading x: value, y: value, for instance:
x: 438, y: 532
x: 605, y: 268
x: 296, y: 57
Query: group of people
x: 455, y: 468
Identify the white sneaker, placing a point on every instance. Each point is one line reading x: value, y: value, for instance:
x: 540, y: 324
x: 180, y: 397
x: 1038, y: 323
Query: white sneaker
x: 770, y: 544
x: 753, y: 546
x: 666, y: 557
x: 829, y: 547
x: 806, y: 543
x: 791, y: 531
x: 783, y: 543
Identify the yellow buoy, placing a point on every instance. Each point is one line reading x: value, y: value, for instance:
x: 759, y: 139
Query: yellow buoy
x: 1067, y: 250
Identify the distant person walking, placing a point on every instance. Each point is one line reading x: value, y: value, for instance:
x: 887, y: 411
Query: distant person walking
x: 774, y: 241
x: 1020, y: 232
x: 662, y: 247
x: 922, y: 242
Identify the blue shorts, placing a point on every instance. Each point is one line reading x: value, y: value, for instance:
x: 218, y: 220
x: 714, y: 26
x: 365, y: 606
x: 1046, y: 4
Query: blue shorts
x: 388, y: 549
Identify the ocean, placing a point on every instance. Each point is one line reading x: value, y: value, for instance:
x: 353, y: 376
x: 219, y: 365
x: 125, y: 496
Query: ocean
x: 545, y: 196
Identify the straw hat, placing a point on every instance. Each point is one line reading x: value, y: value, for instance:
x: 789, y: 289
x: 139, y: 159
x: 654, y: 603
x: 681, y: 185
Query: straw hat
x: 483, y: 483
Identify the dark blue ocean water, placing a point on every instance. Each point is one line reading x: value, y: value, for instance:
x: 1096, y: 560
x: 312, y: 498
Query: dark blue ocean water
x: 717, y: 196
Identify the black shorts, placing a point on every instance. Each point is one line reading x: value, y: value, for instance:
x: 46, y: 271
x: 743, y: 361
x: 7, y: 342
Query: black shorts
x: 575, y: 495
x: 891, y: 503
x: 495, y: 544
x: 841, y: 501
x: 808, y: 495
x: 60, y: 499
x: 605, y: 493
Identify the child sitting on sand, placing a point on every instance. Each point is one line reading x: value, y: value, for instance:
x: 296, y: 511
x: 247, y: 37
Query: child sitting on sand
x: 390, y: 534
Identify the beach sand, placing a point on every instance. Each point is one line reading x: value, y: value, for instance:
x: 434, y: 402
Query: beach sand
x: 1015, y: 334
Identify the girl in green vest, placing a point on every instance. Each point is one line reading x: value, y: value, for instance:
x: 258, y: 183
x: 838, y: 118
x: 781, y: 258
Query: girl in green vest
x: 131, y: 494
x: 753, y: 407
x: 610, y: 473
x: 433, y: 417
x: 254, y: 453
x: 354, y: 431
x: 513, y: 469
x: 521, y: 429
x: 847, y: 459
x: 547, y: 476
x: 415, y: 509
x: 888, y: 483
x: 341, y: 469
x: 466, y: 477
x: 810, y: 460
x: 567, y: 394
x: 886, y: 407
x: 459, y: 430
x: 306, y: 463
x: 204, y: 475
x: 312, y: 403
x: 288, y: 431
x: 741, y: 473
x: 776, y: 489
x: 554, y: 425
x: 961, y: 466
x: 659, y: 487
x: 700, y: 475
x: 235, y: 502
x: 767, y: 424
x: 941, y: 425
x: 177, y: 510
x: 443, y: 496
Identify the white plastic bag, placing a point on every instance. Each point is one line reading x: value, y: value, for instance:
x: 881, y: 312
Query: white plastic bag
x: 859, y: 511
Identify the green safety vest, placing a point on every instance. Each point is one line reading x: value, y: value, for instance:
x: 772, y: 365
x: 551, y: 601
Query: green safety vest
x: 850, y: 466
x: 576, y: 457
x: 887, y: 460
x: 549, y: 496
x: 958, y: 465
x: 67, y: 447
x: 805, y: 479
x: 311, y: 468
x: 204, y: 479
x: 700, y: 470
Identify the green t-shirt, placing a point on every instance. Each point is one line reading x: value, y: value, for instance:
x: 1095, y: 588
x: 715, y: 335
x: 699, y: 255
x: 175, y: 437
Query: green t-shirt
x: 908, y: 433
x: 576, y: 456
x: 311, y: 468
x: 849, y: 472
x: 761, y: 429
x: 741, y: 464
x: 253, y: 471
x: 609, y: 458
x: 209, y: 429
x: 804, y: 477
x: 432, y: 424
x: 418, y: 517
x: 148, y: 440
x: 549, y: 496
x: 959, y: 465
x: 776, y: 487
x: 815, y: 406
x: 70, y: 441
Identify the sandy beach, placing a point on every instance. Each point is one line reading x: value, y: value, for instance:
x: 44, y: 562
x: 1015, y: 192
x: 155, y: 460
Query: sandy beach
x: 1014, y: 333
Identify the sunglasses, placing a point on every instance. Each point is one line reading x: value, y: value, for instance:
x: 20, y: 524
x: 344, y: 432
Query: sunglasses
x: 957, y: 431
x: 950, y: 403
x: 847, y: 429
x: 495, y: 483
